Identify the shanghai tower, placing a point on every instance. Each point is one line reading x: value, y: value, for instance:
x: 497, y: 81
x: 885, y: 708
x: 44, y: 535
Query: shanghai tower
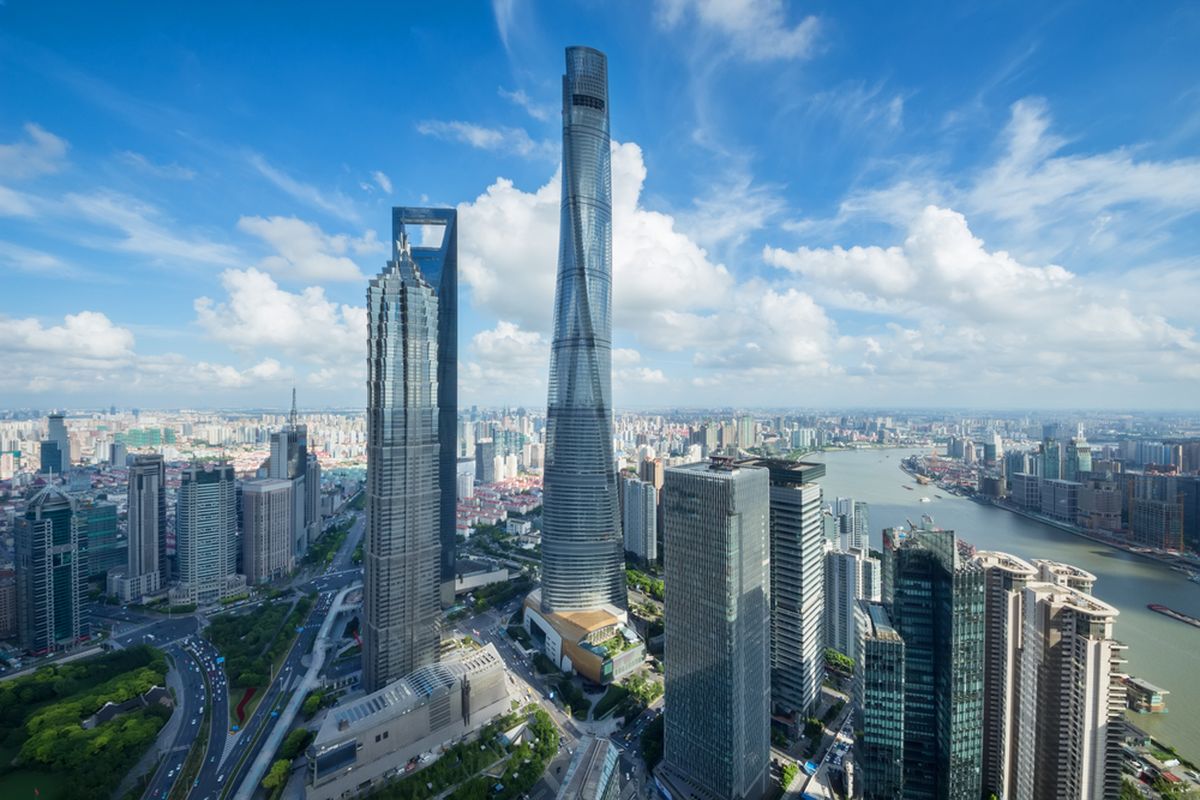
x: 582, y: 550
x: 410, y: 389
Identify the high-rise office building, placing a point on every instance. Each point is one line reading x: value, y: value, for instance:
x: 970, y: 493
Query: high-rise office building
x: 291, y: 461
x: 640, y: 519
x: 267, y: 509
x: 582, y: 552
x: 403, y: 550
x: 1005, y: 578
x: 651, y: 471
x: 879, y: 703
x: 594, y: 772
x: 52, y: 572
x: 843, y: 590
x: 1077, y: 459
x: 438, y: 264
x: 936, y: 601
x: 797, y: 583
x: 56, y: 447
x: 146, y: 568
x: 106, y: 550
x: 206, y: 535
x: 485, y: 461
x: 1072, y: 697
x: 717, y: 612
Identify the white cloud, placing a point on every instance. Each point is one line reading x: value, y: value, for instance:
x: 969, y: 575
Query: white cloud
x: 508, y: 253
x: 757, y: 30
x: 146, y: 231
x: 383, y: 181
x: 498, y: 140
x: 14, y: 203
x: 228, y: 377
x: 538, y: 111
x: 505, y: 13
x: 941, y: 268
x: 257, y: 314
x: 334, y: 203
x: 503, y: 361
x: 88, y: 335
x: 305, y: 252
x: 168, y: 171
x: 40, y: 153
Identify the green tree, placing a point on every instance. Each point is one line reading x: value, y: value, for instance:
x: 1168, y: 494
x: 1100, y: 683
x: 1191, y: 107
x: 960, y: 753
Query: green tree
x: 278, y: 775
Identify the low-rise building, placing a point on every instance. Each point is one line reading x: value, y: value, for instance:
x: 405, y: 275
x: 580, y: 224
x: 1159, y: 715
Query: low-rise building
x: 1144, y: 697
x: 593, y: 773
x: 363, y: 743
x: 597, y: 643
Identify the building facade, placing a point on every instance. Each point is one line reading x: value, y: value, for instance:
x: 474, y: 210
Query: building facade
x: 937, y: 607
x: 717, y: 614
x: 797, y: 552
x: 206, y: 535
x: 147, y: 570
x: 582, y: 548
x: 639, y: 512
x: 267, y: 510
x: 403, y: 548
x: 52, y: 572
x: 879, y: 703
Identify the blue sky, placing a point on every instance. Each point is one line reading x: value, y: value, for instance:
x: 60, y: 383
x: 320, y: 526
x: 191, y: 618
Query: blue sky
x: 814, y: 204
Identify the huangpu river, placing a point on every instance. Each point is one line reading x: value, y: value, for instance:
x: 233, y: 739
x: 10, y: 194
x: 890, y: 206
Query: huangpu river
x: 1161, y: 650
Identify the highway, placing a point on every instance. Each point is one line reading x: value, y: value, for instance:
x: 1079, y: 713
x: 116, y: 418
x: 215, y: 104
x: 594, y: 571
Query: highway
x: 187, y: 707
x: 222, y: 779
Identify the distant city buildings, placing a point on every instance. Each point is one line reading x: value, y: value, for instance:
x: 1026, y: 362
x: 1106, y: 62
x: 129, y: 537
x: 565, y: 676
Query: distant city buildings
x: 718, y: 630
x: 639, y: 510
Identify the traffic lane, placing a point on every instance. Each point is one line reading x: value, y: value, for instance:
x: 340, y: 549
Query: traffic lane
x: 193, y: 687
x: 255, y: 729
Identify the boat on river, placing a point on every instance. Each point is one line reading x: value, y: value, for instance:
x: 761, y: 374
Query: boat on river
x: 1173, y: 614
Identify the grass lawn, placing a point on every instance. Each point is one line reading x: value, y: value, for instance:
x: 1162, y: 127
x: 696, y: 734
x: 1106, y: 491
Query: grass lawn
x: 22, y: 783
x: 612, y: 698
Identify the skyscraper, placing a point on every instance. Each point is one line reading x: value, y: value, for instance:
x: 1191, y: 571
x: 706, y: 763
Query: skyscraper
x: 291, y: 461
x: 797, y: 582
x: 147, y: 569
x: 718, y: 629
x: 640, y: 519
x: 937, y: 607
x: 267, y: 509
x: 582, y: 558
x: 1072, y: 697
x: 52, y: 573
x: 1005, y: 578
x: 879, y: 703
x: 206, y: 535
x: 403, y: 561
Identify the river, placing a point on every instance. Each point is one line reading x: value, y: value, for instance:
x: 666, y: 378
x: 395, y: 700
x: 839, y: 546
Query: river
x: 1161, y: 650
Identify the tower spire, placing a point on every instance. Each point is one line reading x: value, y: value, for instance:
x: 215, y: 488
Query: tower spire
x: 292, y: 416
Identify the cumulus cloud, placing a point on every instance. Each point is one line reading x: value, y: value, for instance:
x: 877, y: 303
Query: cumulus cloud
x: 953, y: 308
x: 505, y: 360
x: 305, y: 252
x: 258, y: 314
x: 756, y: 30
x: 41, y: 152
x: 515, y: 141
x: 508, y: 253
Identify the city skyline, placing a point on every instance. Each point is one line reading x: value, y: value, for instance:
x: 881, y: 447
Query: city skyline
x: 820, y: 208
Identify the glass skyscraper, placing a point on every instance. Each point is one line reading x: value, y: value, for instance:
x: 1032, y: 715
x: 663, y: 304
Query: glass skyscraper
x: 582, y: 558
x: 718, y: 629
x: 410, y: 444
x: 52, y: 571
x: 206, y: 535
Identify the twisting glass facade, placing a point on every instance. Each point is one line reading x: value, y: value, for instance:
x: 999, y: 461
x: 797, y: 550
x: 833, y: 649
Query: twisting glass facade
x: 402, y: 552
x: 582, y: 558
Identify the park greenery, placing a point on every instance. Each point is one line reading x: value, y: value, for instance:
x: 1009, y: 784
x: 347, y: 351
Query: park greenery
x: 497, y: 594
x: 788, y: 774
x: 41, y: 719
x: 573, y: 698
x: 646, y: 584
x: 629, y: 698
x: 253, y: 642
x: 281, y: 768
x: 316, y: 700
x: 458, y: 768
x: 321, y: 552
x: 838, y: 662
